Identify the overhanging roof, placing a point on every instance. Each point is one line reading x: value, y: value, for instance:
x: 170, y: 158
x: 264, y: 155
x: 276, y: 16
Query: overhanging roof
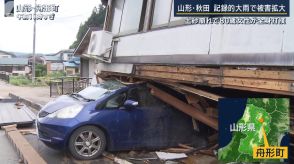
x: 52, y: 58
x: 68, y: 64
x: 7, y: 53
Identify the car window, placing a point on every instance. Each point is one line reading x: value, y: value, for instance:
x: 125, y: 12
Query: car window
x: 116, y: 101
x: 133, y: 94
x: 92, y: 92
x: 96, y: 91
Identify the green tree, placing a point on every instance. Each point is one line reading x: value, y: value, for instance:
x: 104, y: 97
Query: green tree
x: 95, y: 20
x: 41, y: 70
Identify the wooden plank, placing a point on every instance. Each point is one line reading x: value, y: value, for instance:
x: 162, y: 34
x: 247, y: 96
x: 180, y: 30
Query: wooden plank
x: 212, y: 112
x: 260, y: 74
x: 177, y: 150
x: 180, y: 69
x: 266, y: 81
x: 226, y: 72
x: 252, y: 89
x: 258, y: 83
x: 182, y: 106
x: 185, y: 146
x: 199, y: 92
x: 28, y: 153
x: 193, y: 99
x: 181, y: 77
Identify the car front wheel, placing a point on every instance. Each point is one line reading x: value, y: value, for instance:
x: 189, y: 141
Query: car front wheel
x: 87, y: 142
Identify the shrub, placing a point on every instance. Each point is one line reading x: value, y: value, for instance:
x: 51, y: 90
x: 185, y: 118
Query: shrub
x: 19, y: 80
x: 41, y: 70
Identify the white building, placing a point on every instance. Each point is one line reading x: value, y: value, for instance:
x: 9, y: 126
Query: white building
x: 141, y: 32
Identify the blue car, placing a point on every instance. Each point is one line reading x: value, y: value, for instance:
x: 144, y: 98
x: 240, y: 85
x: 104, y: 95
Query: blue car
x: 112, y: 116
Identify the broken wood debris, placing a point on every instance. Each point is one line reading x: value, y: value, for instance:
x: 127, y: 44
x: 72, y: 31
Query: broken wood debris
x: 185, y: 146
x: 184, y: 149
x: 142, y: 159
x: 258, y: 80
x: 192, y: 90
x: 28, y: 131
x: 177, y: 150
x: 182, y: 106
x: 26, y: 151
x: 207, y: 152
x: 170, y: 156
x: 115, y: 159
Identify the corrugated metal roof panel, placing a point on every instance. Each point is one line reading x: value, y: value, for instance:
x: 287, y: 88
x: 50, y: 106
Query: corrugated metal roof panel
x: 13, y: 61
x: 69, y: 64
x: 12, y: 114
x: 52, y: 58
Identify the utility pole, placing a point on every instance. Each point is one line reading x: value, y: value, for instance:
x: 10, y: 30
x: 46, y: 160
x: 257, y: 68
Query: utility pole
x: 34, y: 46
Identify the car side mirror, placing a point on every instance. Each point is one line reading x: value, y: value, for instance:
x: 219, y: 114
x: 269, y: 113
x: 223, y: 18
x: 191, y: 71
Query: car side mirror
x: 130, y: 104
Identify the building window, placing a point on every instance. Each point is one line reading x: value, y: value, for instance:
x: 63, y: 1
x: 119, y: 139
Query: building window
x: 161, y: 13
x: 117, y: 9
x: 174, y: 21
x: 131, y: 16
x: 19, y: 68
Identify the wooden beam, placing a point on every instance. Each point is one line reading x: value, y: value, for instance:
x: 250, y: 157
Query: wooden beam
x: 212, y: 112
x: 261, y: 74
x: 26, y: 151
x: 277, y: 81
x: 252, y: 89
x: 199, y: 92
x: 259, y: 83
x: 181, y: 77
x: 180, y: 69
x: 193, y: 100
x: 182, y: 106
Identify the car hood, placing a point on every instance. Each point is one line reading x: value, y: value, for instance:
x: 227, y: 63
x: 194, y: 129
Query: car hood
x: 61, y: 102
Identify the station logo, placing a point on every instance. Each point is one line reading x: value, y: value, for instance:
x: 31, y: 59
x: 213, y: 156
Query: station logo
x: 254, y: 130
x: 8, y: 8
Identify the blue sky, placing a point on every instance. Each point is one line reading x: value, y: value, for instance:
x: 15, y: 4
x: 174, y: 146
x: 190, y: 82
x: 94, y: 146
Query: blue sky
x: 52, y: 36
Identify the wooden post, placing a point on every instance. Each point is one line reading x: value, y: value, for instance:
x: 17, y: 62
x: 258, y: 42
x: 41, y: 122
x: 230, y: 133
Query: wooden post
x: 62, y: 80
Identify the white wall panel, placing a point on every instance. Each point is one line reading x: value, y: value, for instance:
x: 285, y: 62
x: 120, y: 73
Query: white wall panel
x: 201, y: 39
x: 180, y: 40
x: 239, y: 39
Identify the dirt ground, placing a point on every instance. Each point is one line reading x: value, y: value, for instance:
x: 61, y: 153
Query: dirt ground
x: 40, y: 95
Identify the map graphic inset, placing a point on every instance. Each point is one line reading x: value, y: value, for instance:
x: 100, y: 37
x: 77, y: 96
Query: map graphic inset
x: 239, y: 136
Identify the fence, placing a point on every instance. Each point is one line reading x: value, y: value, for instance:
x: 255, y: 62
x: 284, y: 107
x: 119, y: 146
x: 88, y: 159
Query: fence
x: 4, y: 77
x: 68, y: 85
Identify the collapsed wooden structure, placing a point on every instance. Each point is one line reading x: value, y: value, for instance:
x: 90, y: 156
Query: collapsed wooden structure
x: 264, y: 80
x: 273, y: 82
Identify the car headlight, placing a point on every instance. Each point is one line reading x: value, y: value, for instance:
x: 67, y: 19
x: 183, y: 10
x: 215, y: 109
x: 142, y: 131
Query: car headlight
x: 67, y: 112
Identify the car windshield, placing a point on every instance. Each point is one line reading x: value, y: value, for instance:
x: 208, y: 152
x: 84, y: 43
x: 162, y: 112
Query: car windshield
x: 96, y: 91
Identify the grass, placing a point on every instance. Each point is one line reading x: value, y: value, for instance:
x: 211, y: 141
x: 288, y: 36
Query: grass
x: 24, y: 81
x: 40, y: 81
x: 19, y: 80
